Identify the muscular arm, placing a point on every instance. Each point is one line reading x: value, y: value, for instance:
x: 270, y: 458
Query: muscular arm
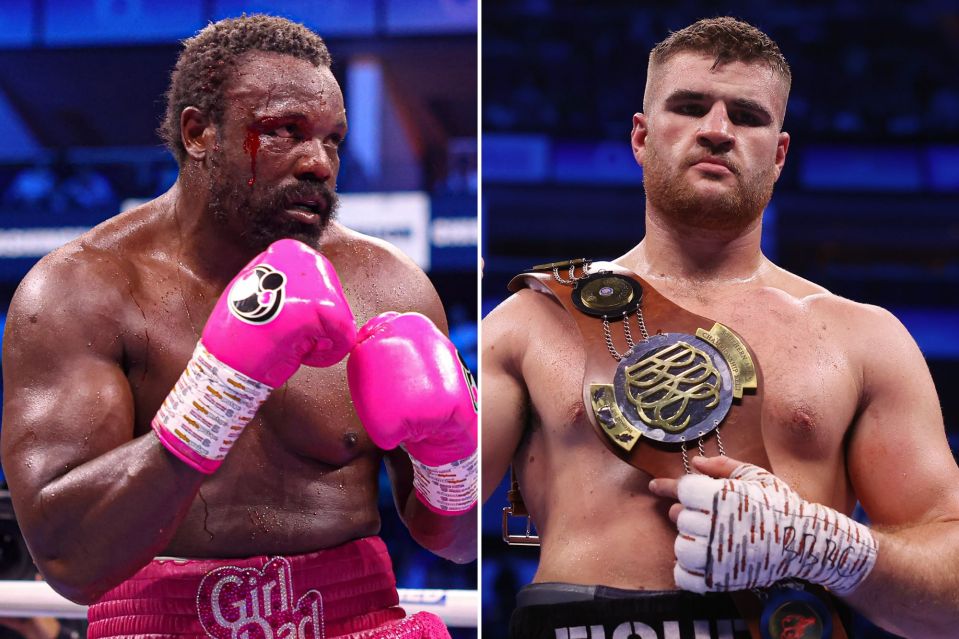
x: 907, y: 481
x: 94, y: 502
x: 452, y: 537
x: 503, y: 393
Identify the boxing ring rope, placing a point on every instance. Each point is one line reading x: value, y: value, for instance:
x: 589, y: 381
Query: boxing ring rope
x: 457, y: 608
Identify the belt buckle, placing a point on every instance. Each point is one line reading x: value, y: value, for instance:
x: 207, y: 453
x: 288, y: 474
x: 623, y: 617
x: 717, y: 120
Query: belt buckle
x: 525, y: 539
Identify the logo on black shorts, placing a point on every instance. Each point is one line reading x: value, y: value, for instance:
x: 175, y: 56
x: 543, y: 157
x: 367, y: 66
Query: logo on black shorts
x: 258, y: 296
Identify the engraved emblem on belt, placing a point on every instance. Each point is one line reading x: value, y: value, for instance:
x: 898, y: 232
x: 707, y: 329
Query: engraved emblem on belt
x: 607, y: 295
x: 674, y: 387
x: 662, y: 384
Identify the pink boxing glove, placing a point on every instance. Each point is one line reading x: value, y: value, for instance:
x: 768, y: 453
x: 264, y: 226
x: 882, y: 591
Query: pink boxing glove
x: 283, y: 309
x: 411, y: 388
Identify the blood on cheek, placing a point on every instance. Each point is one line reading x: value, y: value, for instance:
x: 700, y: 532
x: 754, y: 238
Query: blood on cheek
x: 251, y: 145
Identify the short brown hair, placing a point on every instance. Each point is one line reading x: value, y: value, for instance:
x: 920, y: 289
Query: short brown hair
x: 209, y: 58
x: 727, y: 40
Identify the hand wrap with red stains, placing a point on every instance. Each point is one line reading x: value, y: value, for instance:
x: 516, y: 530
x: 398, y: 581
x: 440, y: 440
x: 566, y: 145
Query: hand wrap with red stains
x: 752, y: 530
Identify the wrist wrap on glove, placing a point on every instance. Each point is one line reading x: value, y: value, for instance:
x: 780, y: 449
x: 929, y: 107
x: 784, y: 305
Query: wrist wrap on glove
x: 285, y: 308
x: 207, y: 410
x: 752, y: 530
x: 447, y: 489
x: 411, y: 389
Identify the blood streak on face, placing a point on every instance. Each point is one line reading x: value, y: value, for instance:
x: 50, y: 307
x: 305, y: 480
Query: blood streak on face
x: 251, y: 145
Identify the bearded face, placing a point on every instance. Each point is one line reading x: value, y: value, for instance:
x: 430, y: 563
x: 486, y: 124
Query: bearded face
x: 711, y: 142
x: 258, y: 211
x: 671, y: 190
x: 275, y: 159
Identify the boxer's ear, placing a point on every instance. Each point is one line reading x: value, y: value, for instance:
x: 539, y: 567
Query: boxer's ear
x: 197, y: 132
x: 782, y: 147
x: 638, y: 137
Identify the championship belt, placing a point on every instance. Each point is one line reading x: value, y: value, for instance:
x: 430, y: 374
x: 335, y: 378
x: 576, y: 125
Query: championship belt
x: 654, y: 393
x: 791, y: 610
x: 670, y: 383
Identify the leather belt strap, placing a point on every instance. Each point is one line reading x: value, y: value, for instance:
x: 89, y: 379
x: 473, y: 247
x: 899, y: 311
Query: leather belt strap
x: 744, y: 421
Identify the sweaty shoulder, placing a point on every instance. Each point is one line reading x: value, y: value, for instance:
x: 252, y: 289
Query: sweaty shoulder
x: 67, y: 307
x: 81, y: 288
x: 381, y: 275
x: 79, y: 280
x: 526, y: 314
x: 869, y: 336
x: 867, y: 329
x: 794, y: 285
x: 821, y: 302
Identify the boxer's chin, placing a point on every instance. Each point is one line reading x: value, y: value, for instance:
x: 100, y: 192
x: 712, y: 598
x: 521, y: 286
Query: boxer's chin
x: 264, y: 215
x: 267, y: 227
x: 718, y: 208
x: 260, y: 226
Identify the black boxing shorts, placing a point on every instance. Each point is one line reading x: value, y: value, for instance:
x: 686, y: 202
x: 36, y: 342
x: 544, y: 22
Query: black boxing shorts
x: 570, y: 611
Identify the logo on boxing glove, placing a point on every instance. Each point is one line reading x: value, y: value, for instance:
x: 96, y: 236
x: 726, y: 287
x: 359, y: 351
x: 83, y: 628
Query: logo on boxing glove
x: 258, y: 296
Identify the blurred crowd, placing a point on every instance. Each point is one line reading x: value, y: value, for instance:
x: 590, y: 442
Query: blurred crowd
x: 860, y: 70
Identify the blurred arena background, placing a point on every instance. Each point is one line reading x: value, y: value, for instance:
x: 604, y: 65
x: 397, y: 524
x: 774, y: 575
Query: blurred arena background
x: 81, y: 94
x: 868, y: 204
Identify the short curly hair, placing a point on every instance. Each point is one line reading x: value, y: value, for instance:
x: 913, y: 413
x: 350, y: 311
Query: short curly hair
x: 727, y: 40
x: 209, y: 58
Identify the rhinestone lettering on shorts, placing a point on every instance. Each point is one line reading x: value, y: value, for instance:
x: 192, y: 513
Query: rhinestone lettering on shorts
x: 233, y: 603
x: 210, y: 404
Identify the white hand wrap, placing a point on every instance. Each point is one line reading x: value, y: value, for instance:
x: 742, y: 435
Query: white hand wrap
x: 449, y: 489
x: 752, y: 530
x: 207, y: 410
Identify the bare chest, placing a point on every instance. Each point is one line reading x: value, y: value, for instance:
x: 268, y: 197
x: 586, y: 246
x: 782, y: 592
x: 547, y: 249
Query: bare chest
x: 311, y: 416
x: 810, y: 389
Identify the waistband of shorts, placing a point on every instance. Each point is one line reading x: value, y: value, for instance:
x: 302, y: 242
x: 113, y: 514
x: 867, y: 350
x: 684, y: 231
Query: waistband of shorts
x: 659, y: 601
x: 564, y: 611
x: 352, y: 586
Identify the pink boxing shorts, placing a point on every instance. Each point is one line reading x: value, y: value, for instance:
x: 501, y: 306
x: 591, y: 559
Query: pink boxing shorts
x: 346, y: 591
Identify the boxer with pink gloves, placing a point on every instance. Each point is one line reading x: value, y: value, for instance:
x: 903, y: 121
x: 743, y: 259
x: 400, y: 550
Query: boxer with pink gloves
x: 179, y: 435
x: 411, y: 389
x: 284, y: 309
